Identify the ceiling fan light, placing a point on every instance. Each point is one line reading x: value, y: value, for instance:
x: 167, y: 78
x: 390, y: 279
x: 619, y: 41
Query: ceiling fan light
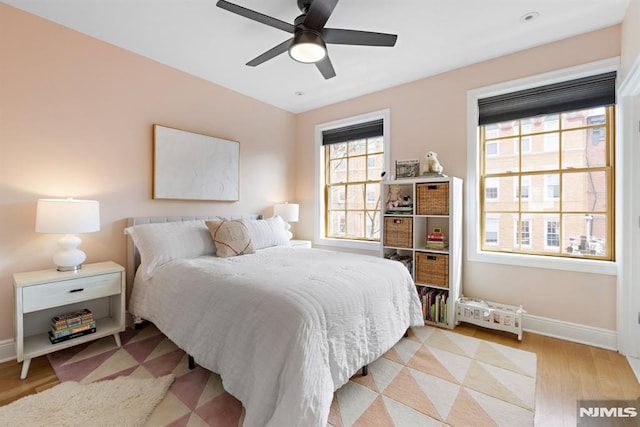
x: 307, y: 47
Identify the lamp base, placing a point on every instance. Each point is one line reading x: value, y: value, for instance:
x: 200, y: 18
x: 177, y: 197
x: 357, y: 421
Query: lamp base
x: 70, y: 258
x: 287, y: 227
x: 74, y: 268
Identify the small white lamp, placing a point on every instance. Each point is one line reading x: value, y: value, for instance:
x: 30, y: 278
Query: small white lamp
x: 288, y: 212
x: 68, y: 216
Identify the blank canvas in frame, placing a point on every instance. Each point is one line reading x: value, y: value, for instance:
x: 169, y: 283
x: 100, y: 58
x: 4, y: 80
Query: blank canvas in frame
x: 191, y: 166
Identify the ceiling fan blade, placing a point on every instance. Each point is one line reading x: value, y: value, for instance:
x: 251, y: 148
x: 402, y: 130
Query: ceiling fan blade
x: 256, y: 16
x: 326, y: 68
x: 362, y: 38
x: 319, y: 13
x: 271, y: 53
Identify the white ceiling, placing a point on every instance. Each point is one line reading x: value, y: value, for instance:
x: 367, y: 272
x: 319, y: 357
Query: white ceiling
x: 434, y: 36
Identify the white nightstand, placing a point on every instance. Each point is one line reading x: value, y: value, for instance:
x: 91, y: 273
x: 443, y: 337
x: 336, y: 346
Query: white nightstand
x: 301, y: 243
x: 40, y: 295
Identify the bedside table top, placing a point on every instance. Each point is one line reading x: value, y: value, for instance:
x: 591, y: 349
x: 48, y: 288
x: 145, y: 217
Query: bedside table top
x: 29, y: 278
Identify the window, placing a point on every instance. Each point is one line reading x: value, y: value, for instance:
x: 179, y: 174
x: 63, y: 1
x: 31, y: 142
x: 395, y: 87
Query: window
x: 551, y: 136
x: 491, y: 231
x: 524, y: 141
x: 521, y: 185
x: 491, y: 189
x: 492, y: 148
x: 552, y: 234
x: 352, y: 158
x: 523, y: 233
x: 552, y: 187
x: 560, y: 172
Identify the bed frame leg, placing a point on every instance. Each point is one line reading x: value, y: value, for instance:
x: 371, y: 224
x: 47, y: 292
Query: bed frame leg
x: 365, y: 370
x: 192, y: 363
x: 137, y: 322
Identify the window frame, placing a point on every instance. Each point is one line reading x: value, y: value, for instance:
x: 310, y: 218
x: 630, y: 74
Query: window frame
x: 473, y: 187
x: 320, y: 238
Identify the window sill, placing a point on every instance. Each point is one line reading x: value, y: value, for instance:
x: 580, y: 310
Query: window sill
x: 534, y: 261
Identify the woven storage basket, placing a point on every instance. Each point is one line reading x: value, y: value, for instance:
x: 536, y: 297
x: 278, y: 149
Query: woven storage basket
x: 433, y: 198
x: 398, y: 232
x: 432, y: 269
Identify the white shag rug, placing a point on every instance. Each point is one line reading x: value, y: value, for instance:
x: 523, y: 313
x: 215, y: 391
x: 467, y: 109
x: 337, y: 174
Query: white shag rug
x: 122, y: 401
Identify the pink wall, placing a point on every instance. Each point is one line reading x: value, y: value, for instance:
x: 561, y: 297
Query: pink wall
x: 430, y: 114
x: 76, y: 118
x: 630, y: 37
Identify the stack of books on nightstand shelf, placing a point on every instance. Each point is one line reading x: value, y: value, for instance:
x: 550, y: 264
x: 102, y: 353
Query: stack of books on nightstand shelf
x: 71, y: 325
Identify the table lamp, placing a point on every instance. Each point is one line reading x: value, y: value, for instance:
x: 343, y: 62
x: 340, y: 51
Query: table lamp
x: 288, y: 212
x: 68, y: 216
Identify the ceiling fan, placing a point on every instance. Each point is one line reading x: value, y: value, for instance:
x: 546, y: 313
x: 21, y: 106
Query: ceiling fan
x: 309, y: 34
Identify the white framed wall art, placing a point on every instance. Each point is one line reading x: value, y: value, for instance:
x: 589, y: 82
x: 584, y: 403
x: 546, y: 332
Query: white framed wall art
x: 191, y: 166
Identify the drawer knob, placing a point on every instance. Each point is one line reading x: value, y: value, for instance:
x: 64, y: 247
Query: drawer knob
x: 76, y: 290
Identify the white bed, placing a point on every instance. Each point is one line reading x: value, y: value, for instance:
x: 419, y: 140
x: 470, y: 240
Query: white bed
x: 284, y: 327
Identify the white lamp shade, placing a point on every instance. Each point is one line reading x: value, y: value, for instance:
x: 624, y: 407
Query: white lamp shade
x: 287, y: 211
x: 67, y: 216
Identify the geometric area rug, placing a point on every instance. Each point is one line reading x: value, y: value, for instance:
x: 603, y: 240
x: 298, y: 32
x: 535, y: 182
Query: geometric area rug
x: 433, y: 377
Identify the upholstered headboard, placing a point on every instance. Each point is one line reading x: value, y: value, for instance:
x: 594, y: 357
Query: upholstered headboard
x: 133, y: 256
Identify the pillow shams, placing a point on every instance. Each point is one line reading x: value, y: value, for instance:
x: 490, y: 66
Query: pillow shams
x: 268, y: 232
x: 160, y: 243
x: 231, y: 238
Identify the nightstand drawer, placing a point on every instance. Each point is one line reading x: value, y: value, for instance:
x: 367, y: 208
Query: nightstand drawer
x: 39, y: 297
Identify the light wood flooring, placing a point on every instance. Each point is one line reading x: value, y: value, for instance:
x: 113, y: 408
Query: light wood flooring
x: 566, y: 372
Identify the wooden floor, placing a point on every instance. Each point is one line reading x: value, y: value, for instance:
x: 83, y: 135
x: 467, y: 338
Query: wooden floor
x: 566, y: 372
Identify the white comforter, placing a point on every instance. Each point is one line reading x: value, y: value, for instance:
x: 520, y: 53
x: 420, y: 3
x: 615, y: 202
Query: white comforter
x: 283, y: 327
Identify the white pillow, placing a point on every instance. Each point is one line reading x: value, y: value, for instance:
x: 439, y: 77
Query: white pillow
x: 160, y: 243
x: 268, y: 232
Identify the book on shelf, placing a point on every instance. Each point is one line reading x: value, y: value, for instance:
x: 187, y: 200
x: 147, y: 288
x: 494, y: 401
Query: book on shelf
x: 434, y: 304
x: 74, y: 318
x: 62, y: 327
x: 56, y: 340
x: 399, y: 210
x: 405, y: 260
x: 436, y: 245
x: 57, y: 333
x: 436, y: 240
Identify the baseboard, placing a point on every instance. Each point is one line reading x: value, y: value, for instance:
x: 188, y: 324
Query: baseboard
x: 597, y: 337
x: 635, y: 366
x: 7, y: 351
